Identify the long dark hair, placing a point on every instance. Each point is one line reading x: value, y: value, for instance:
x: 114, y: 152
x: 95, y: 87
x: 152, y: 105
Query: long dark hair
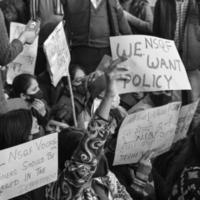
x: 15, y: 127
x: 189, y: 156
x: 21, y: 83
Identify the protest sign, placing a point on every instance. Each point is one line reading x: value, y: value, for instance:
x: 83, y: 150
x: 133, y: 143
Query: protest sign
x: 25, y: 61
x: 185, y: 118
x: 28, y: 166
x: 154, y: 64
x: 149, y: 130
x: 58, y: 55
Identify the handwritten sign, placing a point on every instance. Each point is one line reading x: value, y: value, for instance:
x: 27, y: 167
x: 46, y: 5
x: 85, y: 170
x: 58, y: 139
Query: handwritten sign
x: 28, y: 166
x: 25, y: 61
x: 155, y: 64
x: 149, y: 130
x: 185, y: 118
x: 58, y: 55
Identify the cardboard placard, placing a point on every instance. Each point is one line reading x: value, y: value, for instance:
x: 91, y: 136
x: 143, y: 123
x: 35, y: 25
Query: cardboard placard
x: 25, y: 61
x: 28, y: 166
x: 58, y: 55
x: 154, y: 64
x: 185, y: 118
x: 149, y: 130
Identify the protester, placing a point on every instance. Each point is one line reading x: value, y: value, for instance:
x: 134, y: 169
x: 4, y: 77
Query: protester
x: 88, y: 41
x: 25, y: 86
x: 36, y: 107
x: 179, y: 21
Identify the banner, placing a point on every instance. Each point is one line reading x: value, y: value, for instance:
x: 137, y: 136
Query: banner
x: 185, y: 118
x: 154, y: 64
x: 149, y: 130
x: 28, y: 166
x: 25, y: 61
x: 58, y: 55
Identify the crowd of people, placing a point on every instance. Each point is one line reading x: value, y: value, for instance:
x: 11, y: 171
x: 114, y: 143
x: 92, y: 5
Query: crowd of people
x: 32, y: 107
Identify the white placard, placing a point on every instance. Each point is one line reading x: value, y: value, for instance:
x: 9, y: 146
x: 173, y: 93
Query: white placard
x: 28, y: 166
x: 58, y: 55
x: 25, y: 61
x: 154, y: 64
x: 149, y: 130
x: 185, y: 118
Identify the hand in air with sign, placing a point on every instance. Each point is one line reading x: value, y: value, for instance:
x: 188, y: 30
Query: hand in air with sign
x: 116, y: 72
x: 30, y: 33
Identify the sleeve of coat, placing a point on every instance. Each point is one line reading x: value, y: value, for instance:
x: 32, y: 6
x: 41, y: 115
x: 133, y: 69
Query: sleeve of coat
x: 8, y: 51
x: 124, y: 27
x: 156, y: 22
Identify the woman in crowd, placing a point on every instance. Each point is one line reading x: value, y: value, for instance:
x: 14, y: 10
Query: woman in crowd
x: 26, y: 87
x: 82, y: 163
x: 16, y: 127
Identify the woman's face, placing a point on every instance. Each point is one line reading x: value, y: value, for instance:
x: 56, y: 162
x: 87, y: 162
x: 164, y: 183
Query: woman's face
x: 33, y: 88
x: 79, y: 74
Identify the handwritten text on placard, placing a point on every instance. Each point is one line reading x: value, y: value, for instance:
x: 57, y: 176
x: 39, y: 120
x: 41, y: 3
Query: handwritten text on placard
x: 28, y: 166
x: 25, y: 61
x: 58, y: 55
x: 185, y: 118
x: 149, y: 130
x: 155, y: 64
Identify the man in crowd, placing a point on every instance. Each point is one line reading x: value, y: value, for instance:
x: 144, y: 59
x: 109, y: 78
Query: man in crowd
x: 89, y: 24
x: 180, y: 20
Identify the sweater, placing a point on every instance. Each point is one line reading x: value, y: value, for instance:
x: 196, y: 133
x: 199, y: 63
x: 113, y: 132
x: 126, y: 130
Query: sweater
x: 77, y: 17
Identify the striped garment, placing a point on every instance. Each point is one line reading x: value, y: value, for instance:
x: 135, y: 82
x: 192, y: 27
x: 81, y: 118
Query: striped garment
x: 35, y: 7
x: 182, y: 7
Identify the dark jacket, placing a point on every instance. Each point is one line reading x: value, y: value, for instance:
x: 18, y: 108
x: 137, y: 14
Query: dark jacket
x: 77, y: 17
x: 165, y: 19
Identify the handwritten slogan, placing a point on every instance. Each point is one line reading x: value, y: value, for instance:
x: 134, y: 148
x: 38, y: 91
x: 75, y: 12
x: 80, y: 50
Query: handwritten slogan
x: 28, y: 166
x: 58, y: 55
x: 185, y: 118
x: 25, y: 61
x: 149, y: 130
x: 154, y: 64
